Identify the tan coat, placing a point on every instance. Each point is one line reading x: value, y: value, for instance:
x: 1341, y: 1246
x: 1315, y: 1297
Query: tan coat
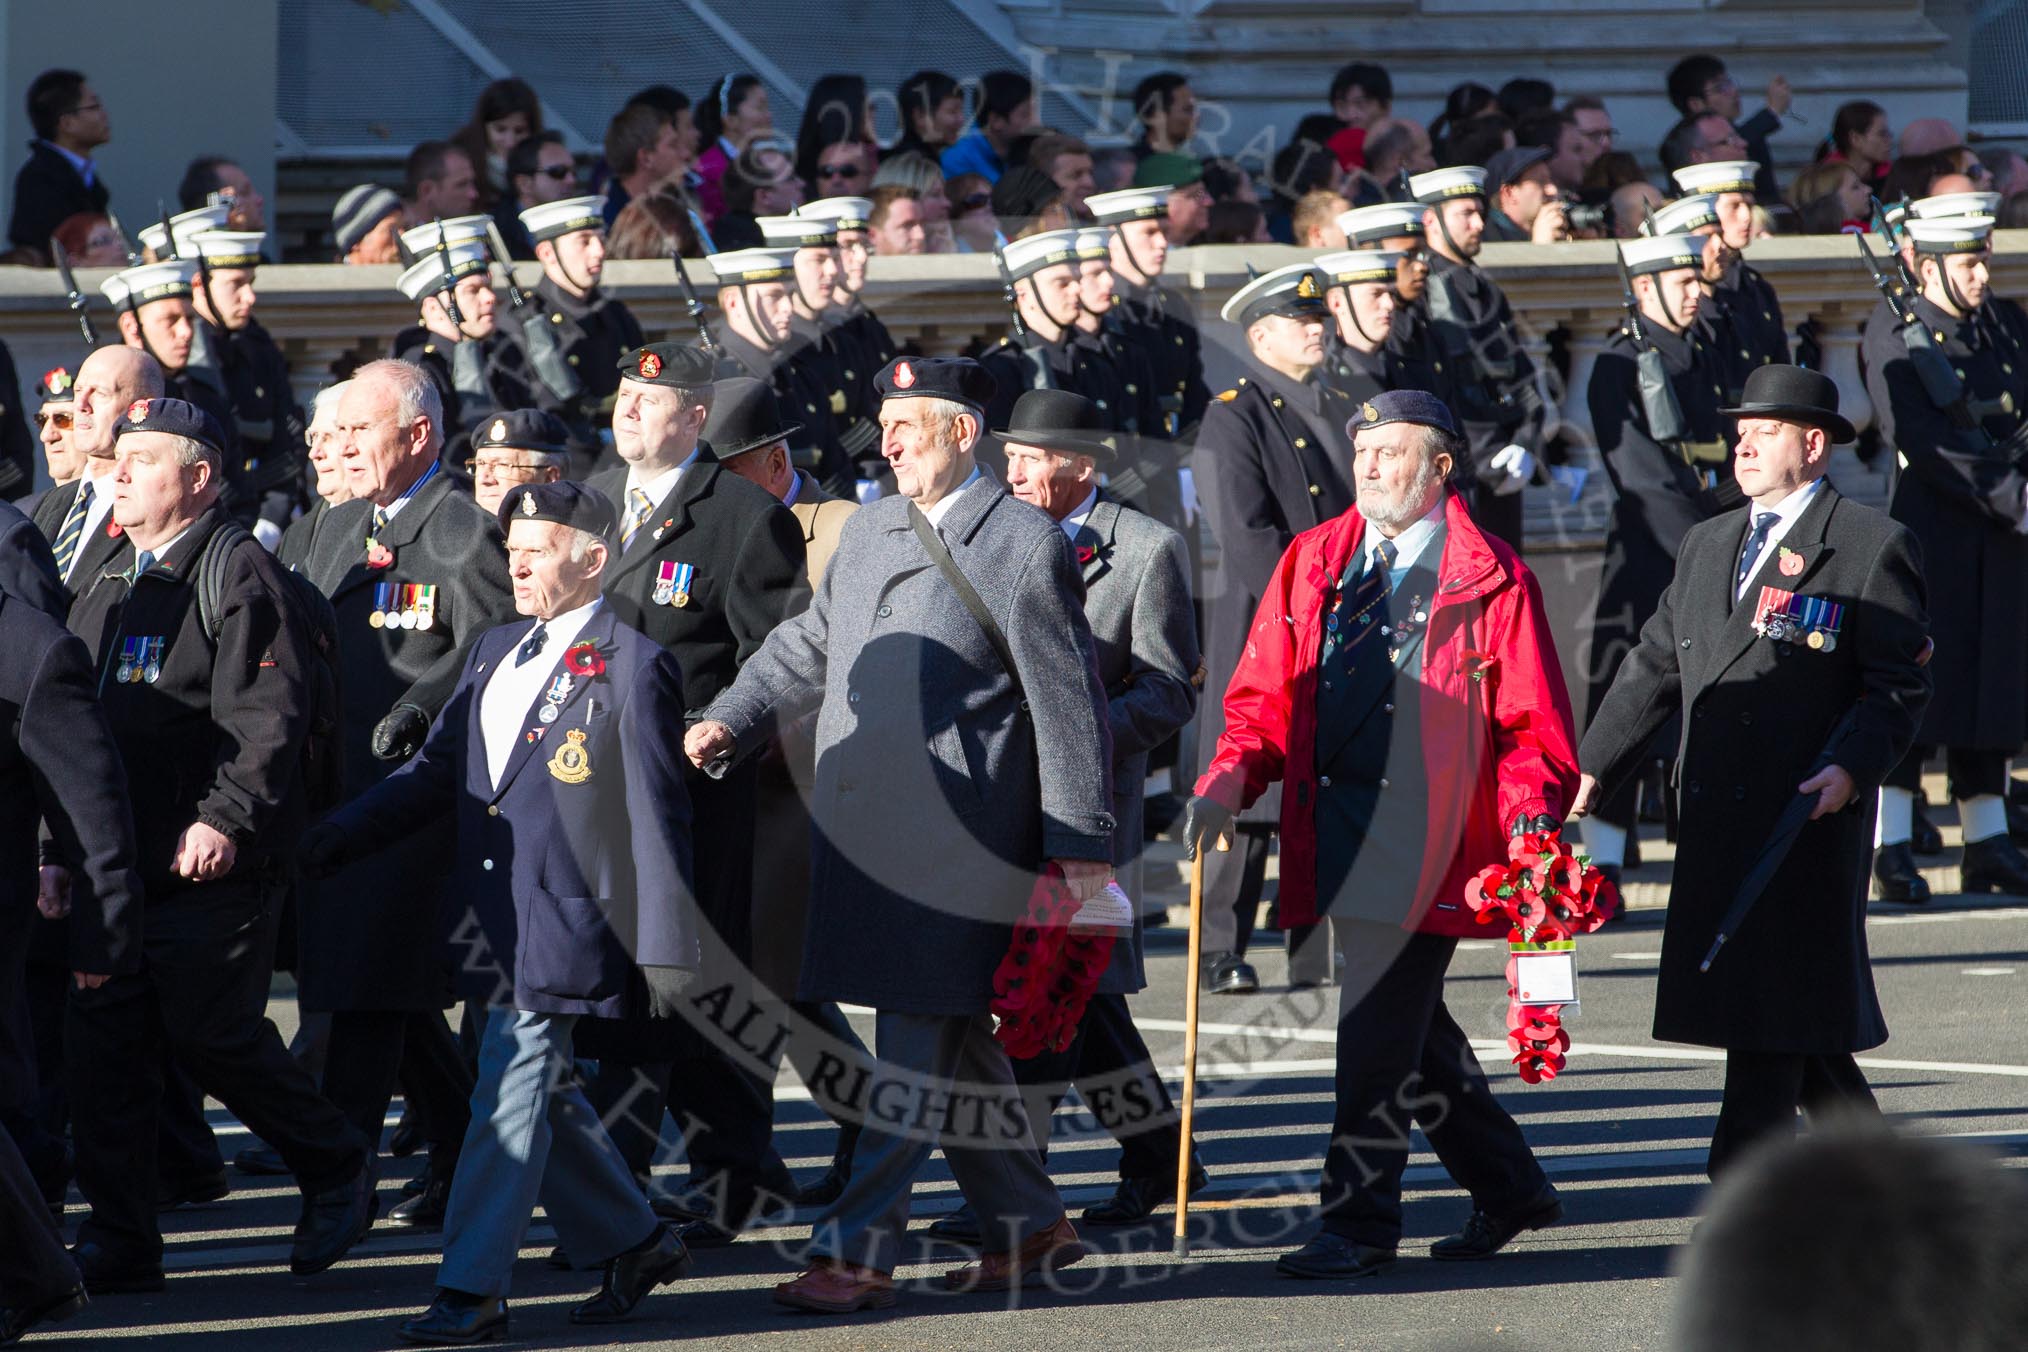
x: 823, y: 516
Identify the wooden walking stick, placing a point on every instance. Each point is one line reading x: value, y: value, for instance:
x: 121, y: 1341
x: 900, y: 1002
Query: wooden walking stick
x: 1180, y: 1244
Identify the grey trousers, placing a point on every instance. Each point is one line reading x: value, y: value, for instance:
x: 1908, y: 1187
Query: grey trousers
x: 941, y: 1080
x: 533, y: 1137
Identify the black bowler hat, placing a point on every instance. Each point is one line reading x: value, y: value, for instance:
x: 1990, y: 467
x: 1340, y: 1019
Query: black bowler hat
x: 744, y: 417
x: 1793, y: 394
x: 959, y: 379
x: 676, y: 365
x: 177, y: 417
x: 566, y: 503
x: 523, y: 429
x: 1058, y: 420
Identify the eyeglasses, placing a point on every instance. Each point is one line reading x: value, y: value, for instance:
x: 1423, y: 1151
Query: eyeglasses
x: 840, y: 170
x: 1724, y: 84
x: 62, y: 420
x: 496, y: 468
x: 973, y: 201
x: 562, y: 173
x: 1604, y: 136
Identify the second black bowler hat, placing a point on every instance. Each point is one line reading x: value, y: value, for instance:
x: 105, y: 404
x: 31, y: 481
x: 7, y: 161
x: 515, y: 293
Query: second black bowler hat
x: 1793, y: 394
x: 1058, y: 420
x: 744, y: 417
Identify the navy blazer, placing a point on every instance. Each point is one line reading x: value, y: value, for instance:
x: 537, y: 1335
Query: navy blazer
x: 577, y: 867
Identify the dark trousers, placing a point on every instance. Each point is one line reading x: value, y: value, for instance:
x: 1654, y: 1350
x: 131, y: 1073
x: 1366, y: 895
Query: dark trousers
x: 1971, y: 773
x: 187, y: 1148
x: 1115, y: 1076
x: 202, y: 995
x: 726, y: 1116
x: 1402, y: 1057
x: 1763, y: 1090
x: 1497, y: 515
x: 1233, y: 882
x: 33, y: 1266
x: 371, y: 1051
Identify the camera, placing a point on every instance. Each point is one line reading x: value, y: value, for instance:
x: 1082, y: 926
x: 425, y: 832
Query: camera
x: 1583, y: 216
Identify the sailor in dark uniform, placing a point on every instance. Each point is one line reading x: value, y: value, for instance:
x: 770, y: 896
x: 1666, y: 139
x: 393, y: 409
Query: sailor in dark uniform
x: 592, y: 328
x: 1669, y: 457
x: 1157, y: 320
x: 854, y: 436
x: 1144, y: 471
x: 476, y: 363
x: 1358, y: 356
x: 758, y: 340
x: 156, y: 316
x: 1043, y: 353
x: 1472, y: 330
x: 264, y: 482
x: 1273, y: 462
x: 1397, y: 228
x: 865, y: 342
x: 1753, y: 311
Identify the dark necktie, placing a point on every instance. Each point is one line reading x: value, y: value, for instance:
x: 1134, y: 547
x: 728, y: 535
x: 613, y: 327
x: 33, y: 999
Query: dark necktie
x: 532, y: 645
x: 72, y: 531
x: 1756, y: 541
x: 1359, y: 614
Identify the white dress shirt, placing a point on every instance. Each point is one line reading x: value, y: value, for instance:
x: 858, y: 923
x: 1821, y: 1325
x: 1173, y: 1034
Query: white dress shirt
x: 1409, y: 545
x: 95, y: 515
x: 658, y: 488
x: 511, y: 691
x: 1787, y: 510
x: 1074, y: 523
x: 942, y: 507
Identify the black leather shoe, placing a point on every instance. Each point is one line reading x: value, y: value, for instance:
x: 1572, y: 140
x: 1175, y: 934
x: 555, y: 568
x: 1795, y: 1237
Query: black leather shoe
x: 1995, y: 865
x: 1329, y: 1257
x: 1484, y: 1236
x: 679, y: 1207
x: 1897, y: 877
x: 705, y: 1235
x: 1924, y: 838
x: 196, y: 1190
x: 18, y: 1320
x: 425, y: 1210
x: 1230, y: 974
x: 260, y: 1161
x: 825, y: 1190
x: 1136, y: 1199
x: 332, y: 1222
x: 407, y: 1138
x: 413, y: 1187
x: 558, y: 1260
x: 959, y: 1227
x: 104, y: 1273
x: 632, y: 1275
x: 458, y: 1317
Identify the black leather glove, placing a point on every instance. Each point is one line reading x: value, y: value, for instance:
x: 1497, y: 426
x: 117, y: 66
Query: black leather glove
x: 1204, y: 821
x: 321, y: 851
x: 665, y: 989
x: 1542, y: 821
x: 400, y: 735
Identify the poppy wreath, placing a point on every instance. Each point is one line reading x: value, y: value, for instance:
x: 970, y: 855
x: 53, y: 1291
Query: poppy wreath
x: 1042, y: 985
x: 1547, y: 895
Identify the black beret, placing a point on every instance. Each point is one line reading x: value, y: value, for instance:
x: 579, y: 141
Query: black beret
x: 523, y: 429
x: 57, y: 386
x: 566, y: 503
x: 177, y: 417
x: 959, y: 379
x: 677, y: 365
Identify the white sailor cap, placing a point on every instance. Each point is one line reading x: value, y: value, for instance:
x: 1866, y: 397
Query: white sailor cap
x: 1952, y: 234
x: 798, y: 232
x: 1094, y: 242
x: 1440, y: 185
x: 183, y: 225
x: 136, y: 286
x: 1389, y: 220
x: 738, y: 267
x: 230, y: 248
x: 1662, y: 253
x: 1718, y: 176
x: 418, y: 240
x: 426, y: 276
x: 1129, y: 204
x: 851, y: 213
x: 1352, y: 266
x: 1296, y: 290
x: 1030, y: 254
x: 1684, y: 216
x: 553, y: 220
x: 1955, y: 204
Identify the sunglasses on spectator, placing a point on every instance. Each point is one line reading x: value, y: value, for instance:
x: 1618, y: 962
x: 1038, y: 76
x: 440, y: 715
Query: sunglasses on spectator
x: 972, y: 201
x: 62, y: 420
x: 562, y: 173
x: 839, y: 170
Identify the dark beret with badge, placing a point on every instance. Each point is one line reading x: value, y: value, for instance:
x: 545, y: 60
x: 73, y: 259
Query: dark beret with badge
x: 1058, y: 420
x: 958, y: 379
x: 1403, y: 406
x: 675, y: 365
x: 565, y: 503
x: 524, y: 429
x: 57, y: 386
x: 177, y: 417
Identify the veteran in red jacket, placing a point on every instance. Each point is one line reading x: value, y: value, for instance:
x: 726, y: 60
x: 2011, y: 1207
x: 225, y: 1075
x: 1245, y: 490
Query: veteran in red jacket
x: 1401, y: 682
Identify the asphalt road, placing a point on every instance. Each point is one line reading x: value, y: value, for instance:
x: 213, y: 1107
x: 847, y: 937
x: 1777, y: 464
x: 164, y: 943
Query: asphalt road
x: 1622, y: 1132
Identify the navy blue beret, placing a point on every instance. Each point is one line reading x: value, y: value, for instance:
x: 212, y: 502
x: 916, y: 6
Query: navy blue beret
x: 177, y: 417
x: 523, y: 429
x: 566, y: 503
x: 959, y: 379
x: 1403, y: 406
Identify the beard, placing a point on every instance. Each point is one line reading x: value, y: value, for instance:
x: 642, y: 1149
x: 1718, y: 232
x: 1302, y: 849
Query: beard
x: 1396, y: 514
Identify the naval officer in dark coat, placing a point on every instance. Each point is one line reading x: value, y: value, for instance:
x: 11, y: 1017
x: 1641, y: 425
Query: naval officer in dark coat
x: 1792, y: 642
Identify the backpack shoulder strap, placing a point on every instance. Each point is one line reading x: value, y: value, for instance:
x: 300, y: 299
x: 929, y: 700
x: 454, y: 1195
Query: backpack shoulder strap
x: 210, y: 572
x: 948, y: 566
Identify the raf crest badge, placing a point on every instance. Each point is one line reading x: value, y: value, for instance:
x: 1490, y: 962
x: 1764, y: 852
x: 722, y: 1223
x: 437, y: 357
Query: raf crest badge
x: 499, y: 431
x: 572, y: 763
x: 528, y: 505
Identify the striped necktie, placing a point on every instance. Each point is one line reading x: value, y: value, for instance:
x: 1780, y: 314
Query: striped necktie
x: 1756, y: 542
x: 1360, y: 613
x: 72, y: 531
x: 639, y: 509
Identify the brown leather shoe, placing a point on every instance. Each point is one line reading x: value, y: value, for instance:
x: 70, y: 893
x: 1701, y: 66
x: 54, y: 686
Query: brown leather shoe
x: 1045, y: 1251
x: 831, y: 1287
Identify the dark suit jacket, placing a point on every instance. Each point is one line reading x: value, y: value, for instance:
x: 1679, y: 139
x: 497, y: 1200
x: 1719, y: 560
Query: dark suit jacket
x: 27, y: 565
x: 368, y: 935
x: 104, y: 549
x: 17, y: 443
x: 1757, y: 717
x: 47, y: 192
x: 561, y: 884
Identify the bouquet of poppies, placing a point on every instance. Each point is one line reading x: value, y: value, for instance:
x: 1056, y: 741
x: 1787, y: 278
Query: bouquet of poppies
x: 1546, y: 894
x: 1042, y: 986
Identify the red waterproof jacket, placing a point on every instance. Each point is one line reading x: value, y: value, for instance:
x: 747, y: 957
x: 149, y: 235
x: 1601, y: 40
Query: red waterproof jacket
x: 1496, y: 730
